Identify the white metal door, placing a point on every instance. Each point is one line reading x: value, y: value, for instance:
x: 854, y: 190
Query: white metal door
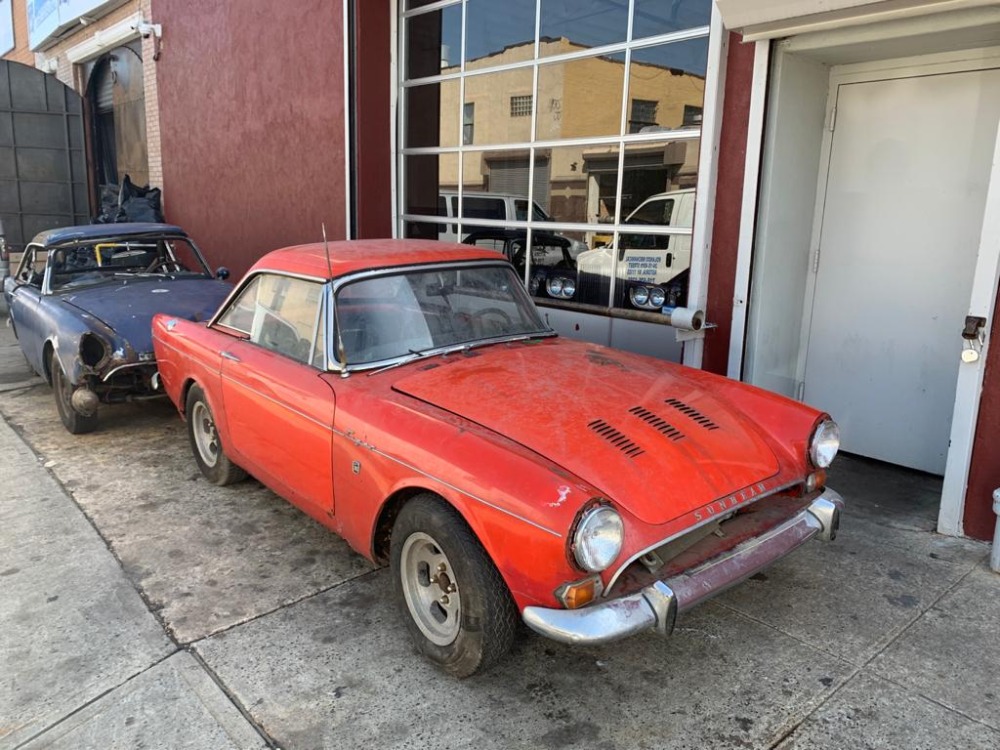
x: 901, y: 220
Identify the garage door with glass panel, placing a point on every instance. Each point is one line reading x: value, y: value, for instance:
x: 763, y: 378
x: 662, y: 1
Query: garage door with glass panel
x: 589, y: 111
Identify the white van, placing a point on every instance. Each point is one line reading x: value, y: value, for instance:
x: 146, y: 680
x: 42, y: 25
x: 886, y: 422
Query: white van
x: 652, y: 268
x: 505, y: 207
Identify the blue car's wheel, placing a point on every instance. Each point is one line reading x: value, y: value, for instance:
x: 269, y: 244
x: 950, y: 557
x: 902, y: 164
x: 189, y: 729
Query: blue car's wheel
x: 72, y: 420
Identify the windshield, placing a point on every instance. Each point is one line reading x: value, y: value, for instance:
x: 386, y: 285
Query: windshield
x: 396, y: 315
x: 84, y: 264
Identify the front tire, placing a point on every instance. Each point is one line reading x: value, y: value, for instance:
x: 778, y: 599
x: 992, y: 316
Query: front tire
x: 205, y: 444
x: 75, y: 422
x: 457, y: 606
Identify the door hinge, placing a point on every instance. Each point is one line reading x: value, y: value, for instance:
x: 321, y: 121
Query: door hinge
x: 833, y: 119
x: 816, y: 260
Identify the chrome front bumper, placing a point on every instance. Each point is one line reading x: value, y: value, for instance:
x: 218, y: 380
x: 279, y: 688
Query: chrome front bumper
x: 657, y: 605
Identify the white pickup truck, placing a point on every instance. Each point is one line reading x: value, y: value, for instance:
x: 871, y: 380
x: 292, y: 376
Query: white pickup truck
x: 652, y: 268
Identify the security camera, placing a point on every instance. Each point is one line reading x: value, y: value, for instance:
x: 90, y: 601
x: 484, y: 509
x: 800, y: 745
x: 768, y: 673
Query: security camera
x: 145, y: 29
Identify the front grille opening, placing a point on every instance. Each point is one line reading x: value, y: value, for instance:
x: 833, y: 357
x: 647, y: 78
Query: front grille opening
x: 692, y: 413
x: 616, y: 438
x: 658, y: 422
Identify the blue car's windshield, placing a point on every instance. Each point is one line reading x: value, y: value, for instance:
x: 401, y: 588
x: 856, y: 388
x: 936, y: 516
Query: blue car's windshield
x: 85, y: 264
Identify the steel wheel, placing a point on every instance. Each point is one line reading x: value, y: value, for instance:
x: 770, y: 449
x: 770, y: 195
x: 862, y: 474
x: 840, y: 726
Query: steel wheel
x: 205, y: 443
x: 430, y: 589
x: 456, y: 604
x: 206, y: 439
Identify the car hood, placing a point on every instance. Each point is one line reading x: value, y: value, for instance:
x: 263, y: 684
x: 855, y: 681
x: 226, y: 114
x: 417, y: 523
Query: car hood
x: 128, y: 308
x: 638, y: 430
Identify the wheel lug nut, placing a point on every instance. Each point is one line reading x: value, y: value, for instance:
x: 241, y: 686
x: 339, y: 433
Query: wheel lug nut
x: 444, y: 599
x: 442, y: 567
x: 452, y: 588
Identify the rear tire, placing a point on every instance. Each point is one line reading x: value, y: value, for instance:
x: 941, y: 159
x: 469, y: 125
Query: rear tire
x: 457, y: 606
x: 75, y: 422
x: 205, y: 444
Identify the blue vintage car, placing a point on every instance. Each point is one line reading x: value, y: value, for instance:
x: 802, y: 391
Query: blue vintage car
x: 82, y: 300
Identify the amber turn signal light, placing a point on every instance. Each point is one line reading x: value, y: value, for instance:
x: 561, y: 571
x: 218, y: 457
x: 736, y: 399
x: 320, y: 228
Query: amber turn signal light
x: 815, y: 480
x: 579, y: 593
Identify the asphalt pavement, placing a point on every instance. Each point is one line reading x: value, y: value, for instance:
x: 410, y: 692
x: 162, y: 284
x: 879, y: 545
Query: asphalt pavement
x: 142, y: 607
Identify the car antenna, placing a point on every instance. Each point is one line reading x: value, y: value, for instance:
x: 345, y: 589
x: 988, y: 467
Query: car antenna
x: 341, y: 355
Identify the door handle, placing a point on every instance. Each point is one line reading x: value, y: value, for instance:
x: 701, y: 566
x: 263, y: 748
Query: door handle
x: 230, y: 356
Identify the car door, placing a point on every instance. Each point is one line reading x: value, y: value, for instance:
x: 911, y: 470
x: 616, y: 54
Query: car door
x: 24, y: 299
x: 278, y: 409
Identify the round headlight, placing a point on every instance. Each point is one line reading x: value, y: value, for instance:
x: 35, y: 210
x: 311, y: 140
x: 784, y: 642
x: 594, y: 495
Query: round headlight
x: 569, y: 288
x: 639, y: 295
x: 598, y: 538
x: 825, y: 444
x: 554, y: 286
x: 657, y: 297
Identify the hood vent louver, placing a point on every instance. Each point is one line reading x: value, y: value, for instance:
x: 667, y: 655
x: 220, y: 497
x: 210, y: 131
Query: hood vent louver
x: 657, y: 422
x: 692, y: 413
x: 616, y: 438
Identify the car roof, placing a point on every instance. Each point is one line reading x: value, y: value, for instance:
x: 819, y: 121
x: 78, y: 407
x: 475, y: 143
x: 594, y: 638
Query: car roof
x: 350, y: 256
x: 104, y: 231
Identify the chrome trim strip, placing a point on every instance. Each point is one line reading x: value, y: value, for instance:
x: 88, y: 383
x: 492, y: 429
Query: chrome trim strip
x: 689, y: 529
x: 238, y: 289
x: 657, y: 605
x: 147, y: 363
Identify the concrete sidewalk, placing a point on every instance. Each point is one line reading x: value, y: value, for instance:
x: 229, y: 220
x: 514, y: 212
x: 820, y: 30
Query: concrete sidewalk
x: 142, y: 607
x: 85, y: 662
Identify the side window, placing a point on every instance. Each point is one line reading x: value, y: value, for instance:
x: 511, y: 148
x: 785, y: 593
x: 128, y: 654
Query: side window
x: 282, y: 314
x: 521, y: 210
x: 483, y: 208
x: 442, y: 211
x: 31, y: 269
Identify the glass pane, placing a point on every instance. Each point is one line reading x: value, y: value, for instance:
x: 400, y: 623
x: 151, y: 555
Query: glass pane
x: 582, y: 23
x: 240, y: 314
x: 667, y: 86
x: 433, y: 42
x: 654, y: 17
x: 286, y: 315
x: 654, y: 168
x: 427, y: 176
x: 432, y: 115
x: 502, y: 104
x: 499, y: 32
x: 580, y: 98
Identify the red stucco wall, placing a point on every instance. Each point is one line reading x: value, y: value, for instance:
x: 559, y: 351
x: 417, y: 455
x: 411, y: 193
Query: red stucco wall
x: 374, y: 127
x: 252, y: 121
x: 984, y: 475
x: 728, y: 203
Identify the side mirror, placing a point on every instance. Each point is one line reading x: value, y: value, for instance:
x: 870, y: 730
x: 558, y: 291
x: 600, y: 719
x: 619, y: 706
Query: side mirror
x: 222, y: 273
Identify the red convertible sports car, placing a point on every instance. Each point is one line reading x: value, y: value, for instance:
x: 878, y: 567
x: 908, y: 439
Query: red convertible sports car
x: 408, y: 396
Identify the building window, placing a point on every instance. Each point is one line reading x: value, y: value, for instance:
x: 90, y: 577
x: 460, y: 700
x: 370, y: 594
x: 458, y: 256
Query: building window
x: 588, y: 124
x: 692, y: 116
x: 643, y: 115
x: 520, y: 106
x: 468, y: 123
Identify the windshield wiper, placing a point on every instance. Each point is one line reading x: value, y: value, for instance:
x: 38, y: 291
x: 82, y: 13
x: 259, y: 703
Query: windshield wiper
x: 415, y: 354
